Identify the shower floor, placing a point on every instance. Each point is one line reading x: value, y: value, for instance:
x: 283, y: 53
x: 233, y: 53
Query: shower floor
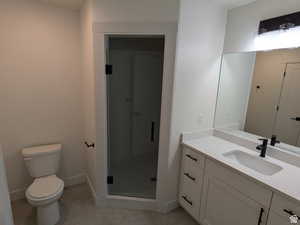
x: 133, y: 178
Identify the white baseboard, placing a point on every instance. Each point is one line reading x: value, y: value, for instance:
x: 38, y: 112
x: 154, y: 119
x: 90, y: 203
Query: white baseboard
x: 91, y: 187
x: 74, y: 180
x: 128, y: 203
x: 69, y: 181
x: 137, y: 204
x: 168, y: 207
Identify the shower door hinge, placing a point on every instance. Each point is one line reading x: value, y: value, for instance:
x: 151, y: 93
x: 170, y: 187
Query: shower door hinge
x: 108, y: 69
x: 110, y: 179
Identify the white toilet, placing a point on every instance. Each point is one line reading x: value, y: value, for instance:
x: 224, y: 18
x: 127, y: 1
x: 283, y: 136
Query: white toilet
x: 43, y: 163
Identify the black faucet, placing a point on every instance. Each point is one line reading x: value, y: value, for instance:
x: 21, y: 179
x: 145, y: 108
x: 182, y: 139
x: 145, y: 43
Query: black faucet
x: 274, y: 140
x: 263, y: 147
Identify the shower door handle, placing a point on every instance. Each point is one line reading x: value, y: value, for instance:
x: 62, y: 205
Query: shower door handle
x: 152, y: 131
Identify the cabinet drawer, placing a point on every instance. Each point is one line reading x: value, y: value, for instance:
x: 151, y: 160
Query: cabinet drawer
x: 193, y: 159
x: 192, y: 167
x: 282, y: 206
x: 192, y: 170
x: 190, y: 196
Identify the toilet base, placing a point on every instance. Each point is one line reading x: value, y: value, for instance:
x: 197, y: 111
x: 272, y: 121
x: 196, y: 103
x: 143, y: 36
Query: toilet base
x: 48, y: 214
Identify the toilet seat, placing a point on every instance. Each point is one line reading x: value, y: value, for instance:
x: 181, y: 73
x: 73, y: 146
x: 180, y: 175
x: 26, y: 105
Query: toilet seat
x: 45, y: 190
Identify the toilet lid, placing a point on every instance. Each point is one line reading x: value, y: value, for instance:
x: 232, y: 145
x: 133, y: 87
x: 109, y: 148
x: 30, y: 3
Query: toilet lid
x: 44, y: 187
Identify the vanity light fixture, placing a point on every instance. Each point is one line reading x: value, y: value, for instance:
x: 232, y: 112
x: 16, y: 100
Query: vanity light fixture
x: 279, y: 23
x: 278, y: 39
x: 279, y: 32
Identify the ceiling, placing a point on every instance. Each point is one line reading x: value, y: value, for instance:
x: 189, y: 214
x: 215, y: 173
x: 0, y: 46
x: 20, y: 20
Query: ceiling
x: 76, y: 4
x: 70, y: 4
x: 235, y: 3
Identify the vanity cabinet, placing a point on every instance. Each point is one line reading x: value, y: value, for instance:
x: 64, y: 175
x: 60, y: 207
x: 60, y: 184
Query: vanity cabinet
x: 192, y: 168
x: 216, y: 195
x: 229, y: 198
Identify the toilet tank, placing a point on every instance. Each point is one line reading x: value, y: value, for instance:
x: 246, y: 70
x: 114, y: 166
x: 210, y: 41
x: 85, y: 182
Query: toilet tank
x: 42, y: 160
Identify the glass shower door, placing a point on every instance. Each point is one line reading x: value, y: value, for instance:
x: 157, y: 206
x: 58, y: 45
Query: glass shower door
x: 134, y: 99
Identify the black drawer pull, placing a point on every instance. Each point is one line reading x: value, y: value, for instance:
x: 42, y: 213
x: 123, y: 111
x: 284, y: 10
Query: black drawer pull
x: 188, y: 201
x: 191, y: 157
x: 291, y: 213
x: 260, y: 216
x: 189, y: 176
x: 295, y: 118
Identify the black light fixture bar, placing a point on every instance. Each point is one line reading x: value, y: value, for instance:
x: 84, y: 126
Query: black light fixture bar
x: 279, y: 23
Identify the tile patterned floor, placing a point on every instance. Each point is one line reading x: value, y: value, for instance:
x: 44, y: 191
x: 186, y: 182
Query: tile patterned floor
x: 78, y: 209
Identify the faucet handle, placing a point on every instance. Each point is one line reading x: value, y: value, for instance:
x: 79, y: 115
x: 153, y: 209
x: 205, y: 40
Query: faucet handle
x: 264, y: 140
x: 274, y: 140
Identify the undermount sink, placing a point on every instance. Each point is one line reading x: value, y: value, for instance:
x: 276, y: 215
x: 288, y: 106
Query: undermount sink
x: 253, y: 162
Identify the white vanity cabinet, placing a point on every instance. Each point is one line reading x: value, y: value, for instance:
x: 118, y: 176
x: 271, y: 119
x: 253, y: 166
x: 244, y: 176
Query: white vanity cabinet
x: 229, y: 198
x: 192, y: 169
x: 217, y: 195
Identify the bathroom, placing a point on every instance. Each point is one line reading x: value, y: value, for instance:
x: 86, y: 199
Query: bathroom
x: 84, y: 139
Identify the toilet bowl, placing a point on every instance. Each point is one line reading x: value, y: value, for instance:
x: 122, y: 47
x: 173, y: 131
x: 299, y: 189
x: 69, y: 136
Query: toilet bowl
x: 44, y: 193
x: 46, y: 189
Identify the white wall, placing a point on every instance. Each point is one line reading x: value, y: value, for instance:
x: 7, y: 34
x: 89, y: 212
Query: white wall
x: 234, y: 89
x: 243, y: 22
x: 88, y: 83
x: 40, y: 86
x: 199, y: 49
x: 135, y: 11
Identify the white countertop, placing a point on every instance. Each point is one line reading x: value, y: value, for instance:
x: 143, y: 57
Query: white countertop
x: 285, y: 181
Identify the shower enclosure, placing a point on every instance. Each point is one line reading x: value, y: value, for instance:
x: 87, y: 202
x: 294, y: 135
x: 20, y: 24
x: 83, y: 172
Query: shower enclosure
x: 134, y: 86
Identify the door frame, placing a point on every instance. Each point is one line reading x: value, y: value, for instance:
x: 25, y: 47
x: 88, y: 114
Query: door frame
x: 100, y: 31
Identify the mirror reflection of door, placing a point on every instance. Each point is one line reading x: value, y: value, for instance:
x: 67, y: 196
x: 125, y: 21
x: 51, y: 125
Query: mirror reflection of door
x: 287, y: 128
x: 265, y: 92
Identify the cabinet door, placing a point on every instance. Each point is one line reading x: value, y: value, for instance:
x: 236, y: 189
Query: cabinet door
x: 224, y: 205
x: 275, y: 219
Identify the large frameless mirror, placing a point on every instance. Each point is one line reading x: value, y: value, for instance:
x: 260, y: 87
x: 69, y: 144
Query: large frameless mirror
x: 259, y: 96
